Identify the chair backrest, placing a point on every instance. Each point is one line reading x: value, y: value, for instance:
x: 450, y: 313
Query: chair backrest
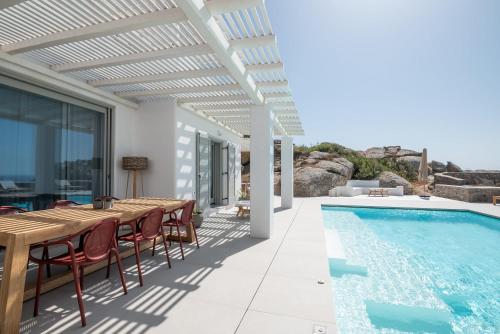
x: 150, y: 223
x: 9, y: 210
x: 64, y: 203
x: 100, y: 239
x: 187, y: 212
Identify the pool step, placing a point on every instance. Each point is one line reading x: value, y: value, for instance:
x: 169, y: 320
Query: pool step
x: 334, y: 247
x: 408, y: 318
x: 340, y: 267
x: 457, y: 303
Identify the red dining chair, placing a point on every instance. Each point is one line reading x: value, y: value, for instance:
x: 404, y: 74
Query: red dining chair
x: 10, y: 210
x: 63, y: 203
x: 185, y: 219
x: 98, y: 245
x: 146, y: 228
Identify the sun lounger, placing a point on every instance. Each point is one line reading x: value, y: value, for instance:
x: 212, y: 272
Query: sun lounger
x: 10, y: 186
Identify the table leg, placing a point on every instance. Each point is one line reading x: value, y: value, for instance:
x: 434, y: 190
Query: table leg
x: 12, y: 289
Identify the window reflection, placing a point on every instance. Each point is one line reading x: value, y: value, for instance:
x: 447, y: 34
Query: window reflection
x: 49, y: 150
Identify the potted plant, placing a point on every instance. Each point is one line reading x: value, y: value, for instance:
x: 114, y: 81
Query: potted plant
x: 197, y: 217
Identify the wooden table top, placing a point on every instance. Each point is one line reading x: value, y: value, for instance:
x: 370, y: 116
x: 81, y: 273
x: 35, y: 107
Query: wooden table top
x: 37, y: 226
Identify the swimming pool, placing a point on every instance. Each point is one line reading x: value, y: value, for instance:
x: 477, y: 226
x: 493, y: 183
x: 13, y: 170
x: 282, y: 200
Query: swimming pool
x: 416, y: 271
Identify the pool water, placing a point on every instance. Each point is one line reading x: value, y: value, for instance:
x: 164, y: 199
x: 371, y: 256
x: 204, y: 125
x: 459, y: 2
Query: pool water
x: 414, y: 271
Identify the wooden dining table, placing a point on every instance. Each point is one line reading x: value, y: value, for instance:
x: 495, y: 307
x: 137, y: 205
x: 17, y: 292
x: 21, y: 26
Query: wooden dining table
x: 19, y: 232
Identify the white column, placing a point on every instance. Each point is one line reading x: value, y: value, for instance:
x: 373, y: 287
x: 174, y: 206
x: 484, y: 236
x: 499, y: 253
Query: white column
x: 261, y: 172
x: 286, y: 172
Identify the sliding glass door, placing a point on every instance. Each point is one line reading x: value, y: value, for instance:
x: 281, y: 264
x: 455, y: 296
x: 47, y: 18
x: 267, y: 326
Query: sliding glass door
x: 49, y: 150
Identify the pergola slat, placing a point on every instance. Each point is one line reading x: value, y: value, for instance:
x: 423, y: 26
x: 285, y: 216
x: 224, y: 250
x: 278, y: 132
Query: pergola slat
x: 181, y: 51
x: 164, y: 16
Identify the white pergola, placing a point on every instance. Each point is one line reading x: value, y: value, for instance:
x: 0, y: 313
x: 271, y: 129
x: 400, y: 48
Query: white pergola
x: 218, y: 58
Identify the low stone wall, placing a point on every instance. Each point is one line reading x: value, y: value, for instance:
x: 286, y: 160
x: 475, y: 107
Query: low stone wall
x: 470, y: 178
x: 475, y: 194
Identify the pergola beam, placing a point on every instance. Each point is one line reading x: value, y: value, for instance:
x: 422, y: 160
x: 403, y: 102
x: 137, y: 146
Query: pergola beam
x: 202, y: 19
x: 217, y: 7
x: 276, y: 95
x: 132, y: 23
x: 206, y: 99
x: 265, y: 67
x: 239, y: 106
x: 181, y: 90
x: 180, y: 51
x: 227, y: 113
x: 159, y: 77
x: 253, y: 42
x: 272, y: 84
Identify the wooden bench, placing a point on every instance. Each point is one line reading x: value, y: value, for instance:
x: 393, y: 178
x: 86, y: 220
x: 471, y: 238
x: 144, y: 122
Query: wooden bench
x: 243, y: 208
x: 377, y: 192
x: 495, y: 199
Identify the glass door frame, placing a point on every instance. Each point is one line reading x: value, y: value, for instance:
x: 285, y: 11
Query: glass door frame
x: 107, y: 186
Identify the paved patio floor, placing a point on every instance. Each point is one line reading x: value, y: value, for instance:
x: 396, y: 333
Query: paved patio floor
x: 232, y: 284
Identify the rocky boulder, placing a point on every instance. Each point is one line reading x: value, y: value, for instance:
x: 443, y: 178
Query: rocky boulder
x: 277, y: 183
x: 451, y: 167
x: 438, y: 167
x: 320, y: 155
x: 389, y: 152
x: 339, y: 166
x: 375, y: 153
x: 447, y: 179
x: 412, y: 161
x: 391, y: 180
x: 312, y: 182
x: 408, y: 153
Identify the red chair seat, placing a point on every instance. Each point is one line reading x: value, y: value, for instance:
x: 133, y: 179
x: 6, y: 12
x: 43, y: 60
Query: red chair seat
x: 130, y: 237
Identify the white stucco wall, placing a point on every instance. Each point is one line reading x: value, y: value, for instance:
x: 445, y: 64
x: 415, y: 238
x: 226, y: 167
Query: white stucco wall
x: 123, y: 144
x: 166, y: 134
x: 187, y: 126
x: 155, y: 140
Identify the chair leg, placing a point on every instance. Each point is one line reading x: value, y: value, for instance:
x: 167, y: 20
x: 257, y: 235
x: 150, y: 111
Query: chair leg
x: 76, y: 279
x: 108, y: 269
x: 39, y: 277
x: 195, y: 235
x: 81, y: 278
x: 166, y: 248
x: 180, y: 240
x: 138, y: 262
x: 170, y: 239
x: 45, y: 256
x: 154, y: 246
x: 120, y: 270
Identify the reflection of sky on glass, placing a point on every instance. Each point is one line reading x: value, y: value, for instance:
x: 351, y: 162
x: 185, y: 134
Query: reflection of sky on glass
x: 18, y: 149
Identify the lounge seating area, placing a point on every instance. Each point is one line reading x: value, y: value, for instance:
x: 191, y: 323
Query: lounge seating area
x: 365, y: 187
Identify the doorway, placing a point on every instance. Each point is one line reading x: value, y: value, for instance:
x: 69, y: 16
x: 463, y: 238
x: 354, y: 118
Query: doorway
x: 216, y: 172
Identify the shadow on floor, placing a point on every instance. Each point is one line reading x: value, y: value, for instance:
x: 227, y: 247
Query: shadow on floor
x: 109, y: 311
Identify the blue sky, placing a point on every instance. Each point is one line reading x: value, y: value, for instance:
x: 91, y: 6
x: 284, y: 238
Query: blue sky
x: 415, y: 73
